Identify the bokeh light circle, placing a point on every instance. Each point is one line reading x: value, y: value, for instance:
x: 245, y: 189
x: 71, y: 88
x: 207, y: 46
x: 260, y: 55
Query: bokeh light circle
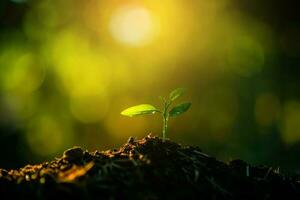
x: 132, y: 25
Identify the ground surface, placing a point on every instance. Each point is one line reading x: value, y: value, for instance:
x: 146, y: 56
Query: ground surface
x: 145, y: 169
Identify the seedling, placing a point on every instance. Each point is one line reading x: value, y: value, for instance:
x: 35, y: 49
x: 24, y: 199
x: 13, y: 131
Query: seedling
x: 165, y: 112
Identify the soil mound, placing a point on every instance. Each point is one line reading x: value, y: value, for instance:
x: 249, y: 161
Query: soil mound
x: 145, y: 169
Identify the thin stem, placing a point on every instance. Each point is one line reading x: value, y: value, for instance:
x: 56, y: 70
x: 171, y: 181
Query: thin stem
x: 165, y: 127
x: 165, y: 115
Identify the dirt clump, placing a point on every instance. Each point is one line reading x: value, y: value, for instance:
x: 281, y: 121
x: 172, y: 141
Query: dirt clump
x: 146, y: 169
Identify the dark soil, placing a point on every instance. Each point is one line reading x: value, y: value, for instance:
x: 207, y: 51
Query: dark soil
x: 146, y: 169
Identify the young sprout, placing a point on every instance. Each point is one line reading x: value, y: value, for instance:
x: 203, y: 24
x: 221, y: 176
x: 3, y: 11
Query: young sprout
x: 166, y: 112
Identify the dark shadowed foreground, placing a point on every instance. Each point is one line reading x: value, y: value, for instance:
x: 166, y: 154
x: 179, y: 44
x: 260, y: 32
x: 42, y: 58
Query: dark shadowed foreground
x: 145, y: 169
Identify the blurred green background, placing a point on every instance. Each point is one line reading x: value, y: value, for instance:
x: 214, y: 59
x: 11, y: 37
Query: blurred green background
x: 68, y: 67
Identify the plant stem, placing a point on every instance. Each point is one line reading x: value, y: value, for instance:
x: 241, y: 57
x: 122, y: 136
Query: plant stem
x: 165, y: 127
x: 165, y: 119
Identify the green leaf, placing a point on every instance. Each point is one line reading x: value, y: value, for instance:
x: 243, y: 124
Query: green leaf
x: 142, y: 109
x: 179, y: 109
x: 175, y: 94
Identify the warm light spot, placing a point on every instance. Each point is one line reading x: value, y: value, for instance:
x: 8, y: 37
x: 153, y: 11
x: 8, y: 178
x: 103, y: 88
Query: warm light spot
x: 132, y: 25
x: 75, y: 172
x: 82, y: 72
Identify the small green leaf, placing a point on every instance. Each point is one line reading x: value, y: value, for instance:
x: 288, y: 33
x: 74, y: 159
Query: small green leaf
x: 179, y: 109
x: 142, y: 109
x: 176, y: 93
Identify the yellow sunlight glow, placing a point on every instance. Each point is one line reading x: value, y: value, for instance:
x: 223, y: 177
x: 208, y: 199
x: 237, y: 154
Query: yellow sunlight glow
x: 132, y: 25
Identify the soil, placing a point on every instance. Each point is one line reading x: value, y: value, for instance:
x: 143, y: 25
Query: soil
x: 146, y: 169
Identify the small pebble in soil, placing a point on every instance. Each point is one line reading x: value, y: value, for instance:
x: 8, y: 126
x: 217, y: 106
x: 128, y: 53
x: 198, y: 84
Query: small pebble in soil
x: 73, y: 154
